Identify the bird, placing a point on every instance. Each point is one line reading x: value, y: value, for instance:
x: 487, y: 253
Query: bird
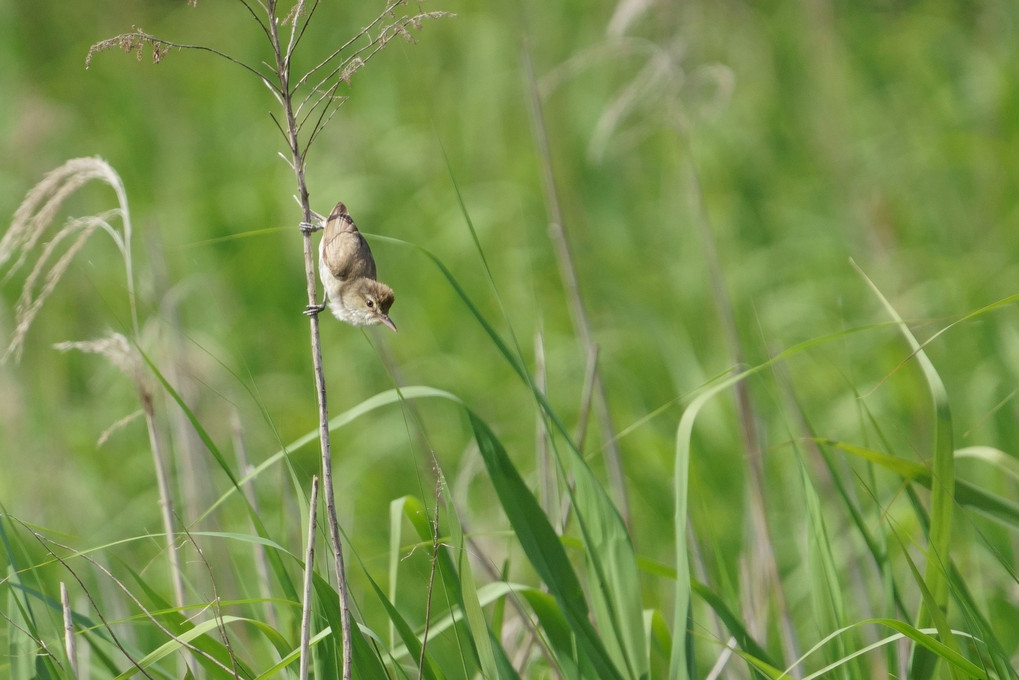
x: 347, y: 269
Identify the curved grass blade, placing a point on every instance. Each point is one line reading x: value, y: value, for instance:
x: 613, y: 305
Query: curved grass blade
x: 1001, y: 509
x: 174, y: 646
x: 989, y: 455
x: 942, y: 492
x: 410, y: 639
x: 458, y: 580
x: 557, y: 637
x: 826, y: 593
x: 609, y: 552
x: 679, y: 661
x: 396, y: 510
x: 922, y: 638
x: 19, y: 606
x: 746, y: 642
x: 468, y: 590
x: 336, y: 422
x: 679, y: 666
x: 183, y: 629
x: 15, y: 580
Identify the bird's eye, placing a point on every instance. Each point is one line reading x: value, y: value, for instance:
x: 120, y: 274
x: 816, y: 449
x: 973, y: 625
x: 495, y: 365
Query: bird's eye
x: 369, y: 303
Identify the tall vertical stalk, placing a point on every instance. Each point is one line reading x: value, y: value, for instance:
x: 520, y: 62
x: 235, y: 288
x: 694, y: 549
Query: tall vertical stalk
x: 297, y: 163
x: 308, y: 100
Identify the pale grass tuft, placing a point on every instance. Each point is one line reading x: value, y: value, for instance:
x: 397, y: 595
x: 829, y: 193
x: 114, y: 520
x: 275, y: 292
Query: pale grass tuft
x: 115, y: 347
x: 135, y: 41
x: 118, y: 350
x: 660, y: 89
x: 625, y: 14
x: 418, y: 19
x: 118, y: 426
x: 399, y: 28
x: 31, y: 220
x: 296, y: 12
x: 30, y: 302
x: 43, y: 201
x: 350, y: 69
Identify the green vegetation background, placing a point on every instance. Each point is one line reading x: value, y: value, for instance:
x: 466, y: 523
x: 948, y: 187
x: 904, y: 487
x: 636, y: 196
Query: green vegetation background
x: 886, y: 132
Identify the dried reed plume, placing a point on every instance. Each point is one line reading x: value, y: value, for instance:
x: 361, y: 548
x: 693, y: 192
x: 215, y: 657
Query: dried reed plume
x: 34, y: 217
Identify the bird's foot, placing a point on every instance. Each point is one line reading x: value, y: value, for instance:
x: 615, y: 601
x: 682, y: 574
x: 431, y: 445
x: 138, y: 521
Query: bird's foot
x: 314, y: 310
x: 309, y: 228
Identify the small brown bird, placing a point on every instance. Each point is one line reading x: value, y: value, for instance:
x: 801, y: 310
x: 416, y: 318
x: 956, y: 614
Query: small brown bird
x: 347, y: 270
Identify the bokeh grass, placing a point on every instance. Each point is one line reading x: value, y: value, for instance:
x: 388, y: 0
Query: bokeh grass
x: 806, y: 134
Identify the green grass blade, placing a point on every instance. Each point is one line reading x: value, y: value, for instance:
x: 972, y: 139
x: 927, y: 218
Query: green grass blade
x: 28, y: 627
x: 659, y: 639
x: 922, y: 638
x: 611, y: 560
x: 612, y: 571
x: 19, y: 608
x: 679, y: 666
x: 736, y: 628
x: 556, y: 629
x: 293, y: 657
x: 192, y: 418
x: 193, y: 636
x: 679, y: 662
x: 942, y: 491
x: 410, y: 639
x: 925, y: 663
x: 969, y: 495
x: 826, y: 587
x: 622, y: 579
x: 542, y: 547
x: 554, y: 632
x: 181, y: 626
x: 999, y: 658
x: 996, y: 458
x: 468, y: 592
x: 282, y: 577
x: 373, y: 403
x: 25, y: 653
x: 396, y: 509
x: 367, y: 664
x: 459, y: 581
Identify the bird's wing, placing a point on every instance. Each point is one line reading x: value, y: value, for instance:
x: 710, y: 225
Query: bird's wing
x: 344, y: 250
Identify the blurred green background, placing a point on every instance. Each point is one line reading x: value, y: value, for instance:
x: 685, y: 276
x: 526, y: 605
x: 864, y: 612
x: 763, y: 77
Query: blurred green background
x: 804, y: 134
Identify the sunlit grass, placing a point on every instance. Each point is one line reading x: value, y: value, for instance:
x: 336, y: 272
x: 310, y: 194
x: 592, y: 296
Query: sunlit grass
x: 870, y: 529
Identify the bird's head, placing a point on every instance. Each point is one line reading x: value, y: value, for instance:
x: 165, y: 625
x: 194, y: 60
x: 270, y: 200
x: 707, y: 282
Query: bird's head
x: 367, y: 303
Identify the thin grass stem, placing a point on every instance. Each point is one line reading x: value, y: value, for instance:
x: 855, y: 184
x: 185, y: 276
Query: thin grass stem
x: 309, y: 573
x: 297, y: 157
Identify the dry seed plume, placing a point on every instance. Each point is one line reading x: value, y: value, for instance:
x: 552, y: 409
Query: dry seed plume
x: 33, y: 218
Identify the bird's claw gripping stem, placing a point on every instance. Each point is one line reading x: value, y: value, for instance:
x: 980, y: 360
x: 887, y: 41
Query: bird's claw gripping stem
x: 314, y: 310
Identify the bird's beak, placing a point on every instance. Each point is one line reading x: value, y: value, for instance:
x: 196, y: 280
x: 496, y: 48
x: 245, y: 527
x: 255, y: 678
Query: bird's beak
x: 384, y: 318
